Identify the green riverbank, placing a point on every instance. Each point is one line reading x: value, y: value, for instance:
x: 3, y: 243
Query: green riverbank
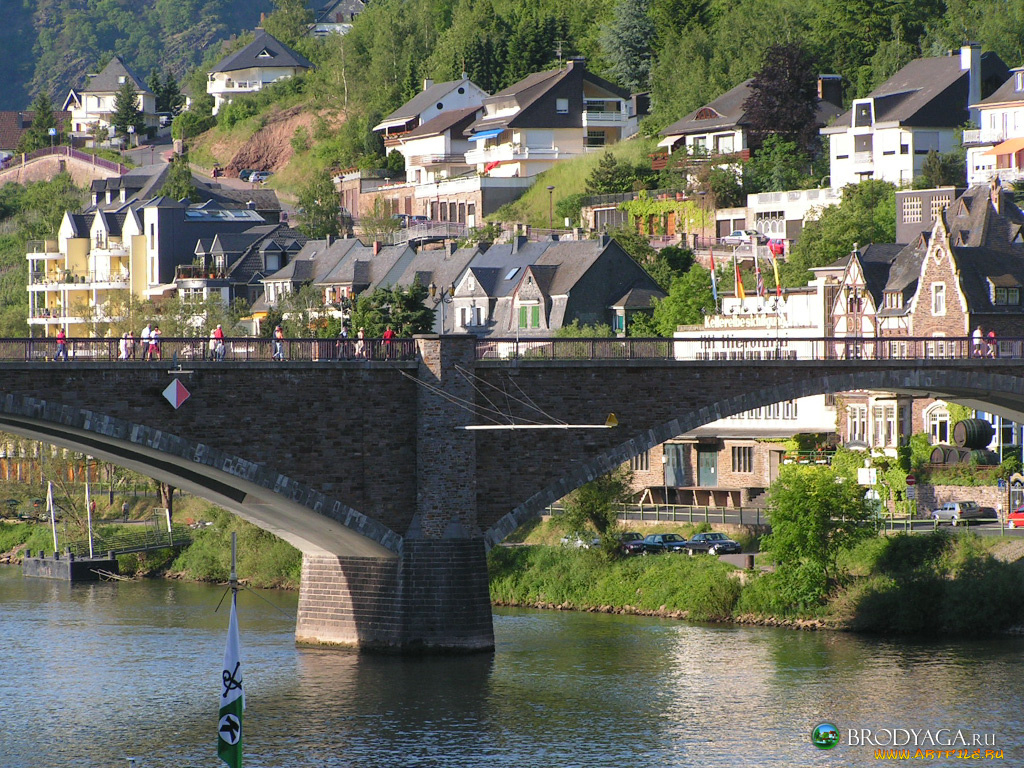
x: 952, y: 583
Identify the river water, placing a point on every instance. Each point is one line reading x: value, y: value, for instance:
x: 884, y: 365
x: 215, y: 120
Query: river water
x: 93, y: 674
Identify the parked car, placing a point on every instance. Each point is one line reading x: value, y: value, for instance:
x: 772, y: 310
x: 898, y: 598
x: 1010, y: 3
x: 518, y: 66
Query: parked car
x: 957, y: 511
x: 402, y: 219
x: 631, y: 543
x: 656, y: 543
x: 1015, y: 519
x: 743, y: 237
x: 713, y: 544
x: 777, y: 246
x: 258, y: 177
x: 245, y: 173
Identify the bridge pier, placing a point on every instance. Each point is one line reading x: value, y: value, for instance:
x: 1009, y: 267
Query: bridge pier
x: 434, y: 597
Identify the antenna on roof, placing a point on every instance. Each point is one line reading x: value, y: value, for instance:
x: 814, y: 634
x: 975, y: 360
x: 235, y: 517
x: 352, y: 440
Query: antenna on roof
x: 558, y: 52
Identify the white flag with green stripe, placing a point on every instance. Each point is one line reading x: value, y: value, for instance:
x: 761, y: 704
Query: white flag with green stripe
x: 232, y: 698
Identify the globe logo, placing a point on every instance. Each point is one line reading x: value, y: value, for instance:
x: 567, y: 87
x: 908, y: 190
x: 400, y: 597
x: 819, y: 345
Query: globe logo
x: 825, y: 736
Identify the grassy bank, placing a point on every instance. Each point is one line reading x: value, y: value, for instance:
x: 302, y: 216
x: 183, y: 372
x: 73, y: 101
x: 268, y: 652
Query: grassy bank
x: 946, y: 583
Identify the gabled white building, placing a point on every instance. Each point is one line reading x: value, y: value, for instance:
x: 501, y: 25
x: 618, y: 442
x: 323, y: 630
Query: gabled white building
x: 94, y: 104
x: 995, y: 150
x: 253, y: 67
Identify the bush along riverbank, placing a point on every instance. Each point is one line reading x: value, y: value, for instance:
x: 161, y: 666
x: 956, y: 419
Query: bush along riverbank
x: 942, y: 583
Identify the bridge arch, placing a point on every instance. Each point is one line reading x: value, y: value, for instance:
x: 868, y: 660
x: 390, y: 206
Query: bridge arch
x: 304, y: 517
x: 995, y: 391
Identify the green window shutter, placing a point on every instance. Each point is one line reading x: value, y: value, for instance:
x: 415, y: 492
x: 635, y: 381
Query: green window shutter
x: 522, y: 317
x: 535, y: 320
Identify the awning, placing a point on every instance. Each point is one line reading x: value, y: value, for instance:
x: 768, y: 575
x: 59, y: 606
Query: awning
x: 490, y: 133
x: 1008, y: 147
x: 668, y: 141
x: 394, y: 123
x: 159, y: 290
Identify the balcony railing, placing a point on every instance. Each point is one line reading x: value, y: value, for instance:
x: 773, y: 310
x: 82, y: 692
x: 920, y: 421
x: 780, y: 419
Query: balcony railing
x: 195, y: 272
x: 438, y: 160
x: 74, y: 280
x: 42, y: 248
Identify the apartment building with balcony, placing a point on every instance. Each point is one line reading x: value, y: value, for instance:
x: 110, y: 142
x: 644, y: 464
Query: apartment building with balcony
x: 547, y: 117
x: 995, y: 149
x: 83, y: 277
x: 888, y: 134
x: 253, y: 67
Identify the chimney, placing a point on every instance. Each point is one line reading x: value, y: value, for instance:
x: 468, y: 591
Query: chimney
x: 605, y: 239
x: 518, y: 242
x: 451, y: 248
x: 376, y: 247
x: 577, y: 61
x: 996, y: 195
x: 427, y: 83
x: 329, y: 239
x: 830, y: 89
x: 970, y: 61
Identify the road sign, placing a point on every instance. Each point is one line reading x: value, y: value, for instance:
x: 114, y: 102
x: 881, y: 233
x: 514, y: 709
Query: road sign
x: 911, y: 480
x: 911, y: 492
x: 53, y: 131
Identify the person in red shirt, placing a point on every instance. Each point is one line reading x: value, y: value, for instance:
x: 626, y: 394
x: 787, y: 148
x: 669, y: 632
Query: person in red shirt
x: 62, y: 346
x: 389, y: 338
x: 278, y: 343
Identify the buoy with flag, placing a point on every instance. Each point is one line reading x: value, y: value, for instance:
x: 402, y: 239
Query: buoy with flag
x: 232, y: 694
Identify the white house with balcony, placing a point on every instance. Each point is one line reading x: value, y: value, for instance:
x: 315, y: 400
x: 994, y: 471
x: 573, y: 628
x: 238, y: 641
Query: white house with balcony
x: 547, y: 117
x: 434, y: 100
x: 253, y: 67
x: 995, y: 150
x: 94, y: 105
x: 888, y: 134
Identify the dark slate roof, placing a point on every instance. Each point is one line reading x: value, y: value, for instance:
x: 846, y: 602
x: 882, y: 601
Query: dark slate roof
x: 535, y: 87
x: 108, y: 81
x: 423, y: 101
x: 928, y: 92
x: 435, y: 266
x: 347, y: 8
x: 638, y: 298
x: 728, y: 112
x: 248, y: 57
x: 1007, y: 93
x: 13, y: 124
x: 455, y: 120
x: 266, y: 236
x: 263, y: 199
x: 904, y: 275
x: 876, y: 260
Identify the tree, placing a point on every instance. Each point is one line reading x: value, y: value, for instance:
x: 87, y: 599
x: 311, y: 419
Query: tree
x: 576, y: 331
x: 669, y: 263
x: 866, y: 214
x: 306, y: 314
x: 404, y: 309
x: 688, y: 300
x: 628, y: 43
x: 289, y: 22
x: 126, y: 110
x: 380, y: 222
x: 815, y: 516
x: 943, y: 169
x: 783, y: 98
x: 43, y: 120
x: 179, y: 184
x: 321, y: 206
x: 778, y: 165
x: 611, y: 176
x: 594, y: 504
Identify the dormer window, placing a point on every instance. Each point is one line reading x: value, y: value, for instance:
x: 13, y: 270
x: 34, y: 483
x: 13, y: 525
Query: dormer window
x: 1007, y: 296
x: 264, y: 54
x: 121, y: 79
x: 862, y: 117
x: 893, y: 300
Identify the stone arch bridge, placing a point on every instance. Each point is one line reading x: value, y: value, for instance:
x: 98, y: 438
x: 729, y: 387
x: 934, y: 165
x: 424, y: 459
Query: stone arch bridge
x: 363, y: 465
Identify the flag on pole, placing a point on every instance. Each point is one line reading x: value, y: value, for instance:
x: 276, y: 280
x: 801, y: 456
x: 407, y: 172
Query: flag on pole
x: 775, y: 269
x: 740, y: 293
x: 761, y: 290
x: 232, y: 698
x: 714, y: 284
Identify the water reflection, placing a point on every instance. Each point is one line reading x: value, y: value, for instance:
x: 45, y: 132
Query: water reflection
x: 103, y: 671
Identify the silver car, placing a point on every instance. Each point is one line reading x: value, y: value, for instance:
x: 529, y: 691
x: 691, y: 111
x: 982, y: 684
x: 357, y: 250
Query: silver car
x: 955, y: 511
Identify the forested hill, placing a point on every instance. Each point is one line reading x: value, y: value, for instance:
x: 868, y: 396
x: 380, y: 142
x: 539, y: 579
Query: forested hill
x: 50, y: 45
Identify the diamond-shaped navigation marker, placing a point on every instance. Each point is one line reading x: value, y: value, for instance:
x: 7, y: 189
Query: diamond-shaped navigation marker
x: 176, y: 393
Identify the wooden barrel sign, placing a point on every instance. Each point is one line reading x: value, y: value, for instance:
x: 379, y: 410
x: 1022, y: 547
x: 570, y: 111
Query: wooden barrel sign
x: 972, y: 433
x: 939, y: 454
x: 983, y: 457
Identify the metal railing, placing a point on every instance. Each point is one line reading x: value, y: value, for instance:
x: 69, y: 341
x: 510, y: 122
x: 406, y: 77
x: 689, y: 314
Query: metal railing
x: 131, y: 537
x: 718, y: 347
x: 241, y: 349
x: 67, y: 152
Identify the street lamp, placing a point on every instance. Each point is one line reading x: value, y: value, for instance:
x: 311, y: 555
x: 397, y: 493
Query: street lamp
x: 551, y: 198
x: 446, y: 297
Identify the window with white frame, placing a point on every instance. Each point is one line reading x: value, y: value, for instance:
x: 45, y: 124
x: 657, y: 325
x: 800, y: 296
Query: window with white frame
x: 938, y: 299
x: 937, y: 420
x: 1006, y: 296
x: 911, y: 210
x: 884, y: 431
x: 857, y: 423
x: 562, y: 106
x: 743, y: 458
